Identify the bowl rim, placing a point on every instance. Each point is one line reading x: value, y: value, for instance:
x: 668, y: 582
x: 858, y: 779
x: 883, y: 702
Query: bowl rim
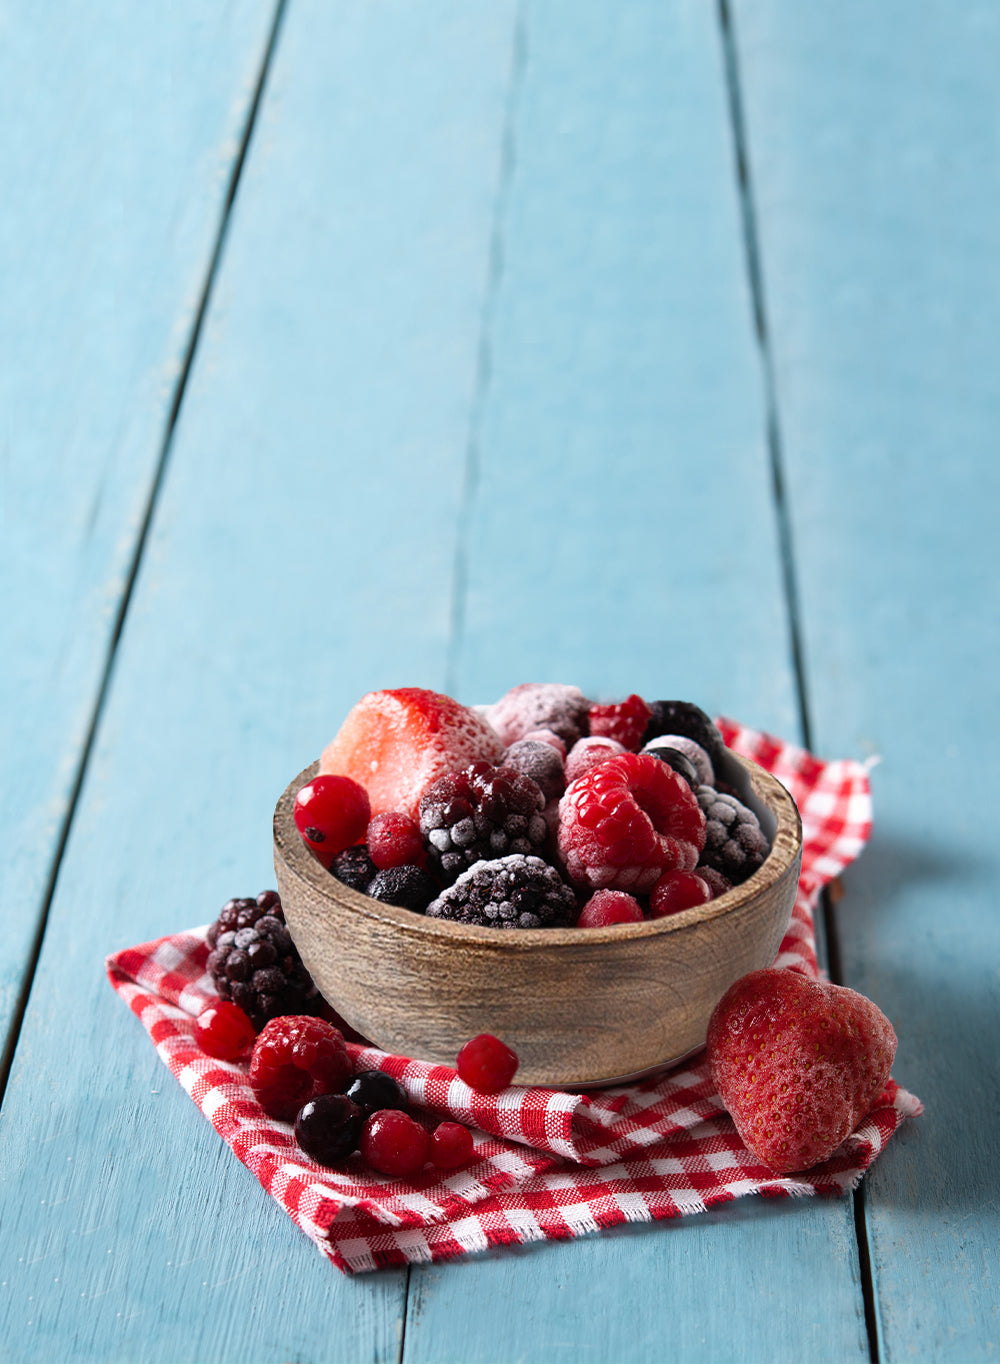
x: 786, y: 847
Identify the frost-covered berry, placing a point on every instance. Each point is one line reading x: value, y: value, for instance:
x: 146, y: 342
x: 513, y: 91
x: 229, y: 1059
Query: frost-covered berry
x: 406, y: 887
x: 508, y: 892
x: 697, y: 756
x: 480, y: 814
x: 541, y: 762
x: 688, y: 720
x: 589, y: 752
x: 254, y: 962
x: 295, y: 1060
x: 540, y: 705
x: 735, y: 844
x: 354, y: 867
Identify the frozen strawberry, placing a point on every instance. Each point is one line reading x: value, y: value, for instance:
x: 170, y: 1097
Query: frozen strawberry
x: 626, y: 822
x: 798, y: 1063
x: 395, y: 743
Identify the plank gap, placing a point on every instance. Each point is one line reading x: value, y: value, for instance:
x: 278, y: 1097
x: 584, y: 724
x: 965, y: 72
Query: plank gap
x: 31, y: 966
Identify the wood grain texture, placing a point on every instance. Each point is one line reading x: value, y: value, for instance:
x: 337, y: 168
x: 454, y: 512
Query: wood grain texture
x: 116, y: 137
x: 875, y: 151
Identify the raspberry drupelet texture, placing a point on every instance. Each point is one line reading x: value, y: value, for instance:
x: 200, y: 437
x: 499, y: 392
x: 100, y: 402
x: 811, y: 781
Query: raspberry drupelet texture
x: 626, y: 822
x: 735, y: 844
x: 254, y: 962
x: 481, y: 813
x: 508, y: 892
x: 540, y: 705
x: 624, y: 721
x: 295, y: 1060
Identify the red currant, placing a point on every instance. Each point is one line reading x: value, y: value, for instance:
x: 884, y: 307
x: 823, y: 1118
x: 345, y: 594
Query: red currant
x: 677, y: 890
x: 486, y: 1064
x: 331, y: 813
x: 451, y: 1145
x: 610, y: 907
x: 393, y: 1143
x: 223, y: 1030
x: 394, y: 840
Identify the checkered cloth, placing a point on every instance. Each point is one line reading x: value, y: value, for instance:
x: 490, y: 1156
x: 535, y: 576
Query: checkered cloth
x: 546, y: 1164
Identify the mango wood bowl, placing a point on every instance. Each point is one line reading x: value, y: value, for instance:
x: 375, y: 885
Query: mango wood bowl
x: 580, y: 1007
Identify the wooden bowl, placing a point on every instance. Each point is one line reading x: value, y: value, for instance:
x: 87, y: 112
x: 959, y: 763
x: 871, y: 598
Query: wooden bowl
x: 580, y: 1007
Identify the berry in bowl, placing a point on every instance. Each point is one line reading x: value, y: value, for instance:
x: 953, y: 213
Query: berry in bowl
x: 582, y: 881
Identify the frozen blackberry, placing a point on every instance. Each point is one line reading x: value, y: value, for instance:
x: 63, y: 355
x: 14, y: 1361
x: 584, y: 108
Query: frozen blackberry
x: 508, y: 892
x: 354, y: 867
x: 408, y: 886
x: 254, y: 962
x: 684, y: 717
x: 735, y: 844
x: 479, y: 814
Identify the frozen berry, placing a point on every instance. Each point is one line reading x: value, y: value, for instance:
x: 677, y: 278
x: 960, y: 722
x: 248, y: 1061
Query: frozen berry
x: 546, y: 736
x: 673, y: 757
x: 223, y: 1030
x: 331, y: 813
x: 717, y: 883
x: 328, y: 1128
x: 677, y: 890
x: 695, y: 754
x: 486, y: 1064
x: 626, y: 822
x: 394, y: 840
x: 405, y: 887
x: 354, y: 867
x: 480, y: 813
x: 451, y: 1145
x: 610, y: 907
x: 735, y: 844
x: 393, y: 1143
x: 375, y: 1089
x: 540, y: 705
x: 295, y: 1060
x: 254, y: 962
x: 686, y: 719
x: 508, y: 892
x: 588, y: 753
x: 624, y: 722
x: 539, y: 761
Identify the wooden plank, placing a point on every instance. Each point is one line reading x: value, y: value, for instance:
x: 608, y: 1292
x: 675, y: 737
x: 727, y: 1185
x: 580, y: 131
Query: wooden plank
x: 621, y: 536
x: 875, y: 151
x: 301, y: 554
x: 116, y: 140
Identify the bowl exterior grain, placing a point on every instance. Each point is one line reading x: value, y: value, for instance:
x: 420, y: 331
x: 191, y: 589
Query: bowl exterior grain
x: 580, y: 1007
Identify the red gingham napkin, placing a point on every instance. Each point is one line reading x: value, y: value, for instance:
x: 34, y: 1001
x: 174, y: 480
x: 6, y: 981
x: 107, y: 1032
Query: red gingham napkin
x: 546, y: 1163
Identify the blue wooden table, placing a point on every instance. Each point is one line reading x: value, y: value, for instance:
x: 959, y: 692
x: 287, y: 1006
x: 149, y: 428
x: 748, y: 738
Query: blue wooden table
x: 359, y: 343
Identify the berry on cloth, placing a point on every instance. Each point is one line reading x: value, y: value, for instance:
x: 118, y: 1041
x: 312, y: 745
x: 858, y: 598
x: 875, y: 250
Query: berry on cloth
x: 451, y: 1145
x: 375, y: 1089
x: 610, y: 907
x: 735, y: 844
x: 798, y: 1063
x: 588, y: 753
x: 294, y: 1060
x: 328, y: 1128
x: 393, y: 1143
x: 508, y: 892
x: 223, y: 1031
x: 394, y: 840
x: 677, y: 890
x: 395, y: 743
x: 479, y: 813
x: 539, y: 705
x: 331, y: 813
x: 624, y: 721
x: 486, y: 1064
x: 626, y: 822
x: 254, y: 962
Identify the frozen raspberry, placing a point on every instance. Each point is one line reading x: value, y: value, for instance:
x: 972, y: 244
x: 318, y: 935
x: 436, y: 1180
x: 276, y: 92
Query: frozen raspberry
x: 331, y: 813
x: 405, y: 887
x: 674, y: 758
x: 254, y: 962
x: 588, y: 753
x: 393, y: 1143
x: 328, y: 1128
x: 486, y: 1064
x: 677, y: 890
x: 354, y: 867
x: 483, y: 812
x: 223, y: 1030
x: 626, y: 822
x: 686, y: 719
x: 540, y: 705
x: 735, y: 844
x: 451, y: 1145
x: 541, y: 762
x: 625, y: 722
x: 509, y: 892
x: 696, y: 755
x: 295, y: 1060
x: 394, y: 840
x: 610, y: 907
